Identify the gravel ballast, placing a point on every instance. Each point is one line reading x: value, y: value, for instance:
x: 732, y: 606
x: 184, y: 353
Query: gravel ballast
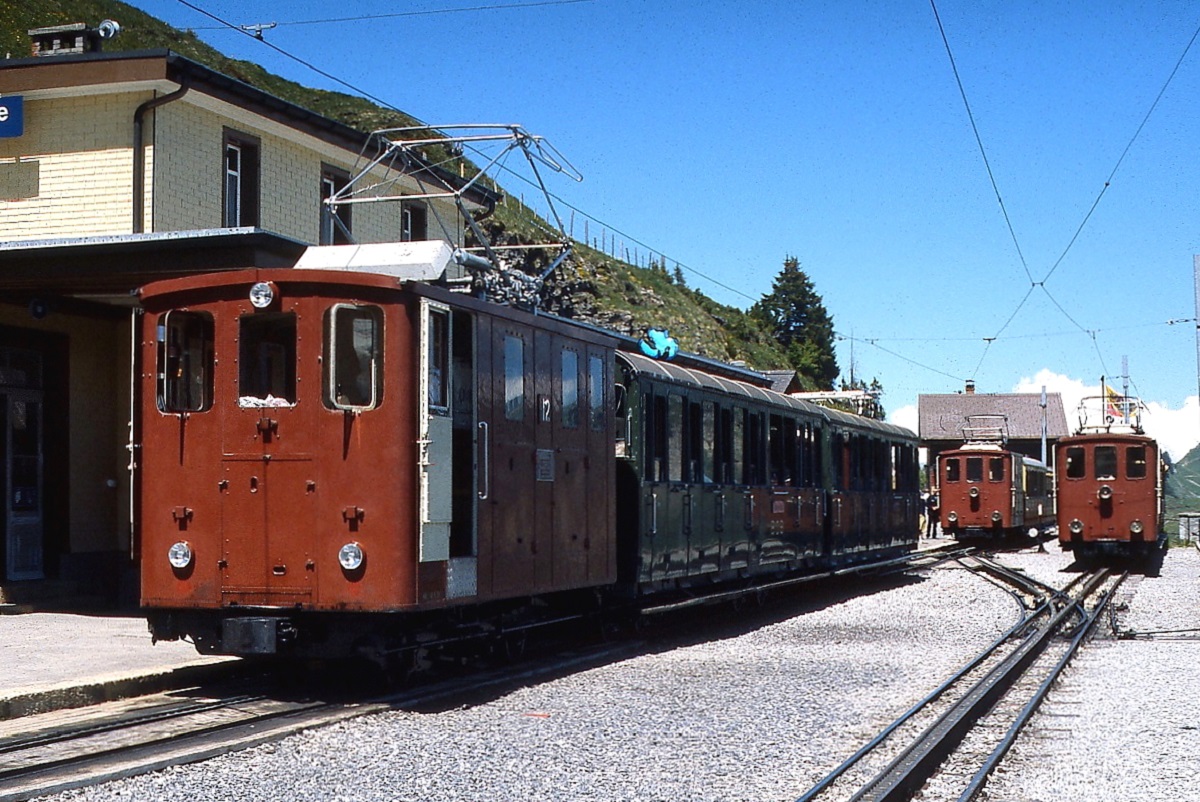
x: 761, y: 715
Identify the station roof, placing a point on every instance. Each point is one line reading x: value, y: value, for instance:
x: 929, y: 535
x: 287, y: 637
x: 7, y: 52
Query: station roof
x: 942, y: 417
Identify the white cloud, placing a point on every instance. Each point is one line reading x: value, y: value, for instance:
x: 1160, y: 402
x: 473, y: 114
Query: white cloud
x: 1176, y: 430
x: 904, y: 416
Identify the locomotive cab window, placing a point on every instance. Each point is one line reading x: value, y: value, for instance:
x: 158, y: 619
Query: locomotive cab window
x: 1135, y: 462
x: 996, y: 469
x: 185, y: 362
x: 353, y: 376
x: 267, y: 359
x: 953, y: 471
x: 974, y: 469
x: 1076, y: 467
x: 1106, y: 462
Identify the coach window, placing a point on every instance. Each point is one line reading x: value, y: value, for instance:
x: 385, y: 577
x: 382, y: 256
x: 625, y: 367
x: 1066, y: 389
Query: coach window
x: 995, y: 469
x: 656, y: 438
x: 694, y: 456
x: 596, y: 409
x: 569, y: 403
x: 738, y: 441
x: 1076, y: 467
x: 514, y: 378
x: 185, y: 362
x: 267, y: 359
x: 675, y: 438
x: 1135, y: 462
x: 1106, y: 462
x: 953, y: 472
x: 709, y: 413
x: 354, y: 357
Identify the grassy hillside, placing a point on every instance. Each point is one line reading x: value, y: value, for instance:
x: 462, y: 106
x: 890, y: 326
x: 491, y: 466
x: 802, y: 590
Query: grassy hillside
x: 1183, y: 489
x: 592, y: 286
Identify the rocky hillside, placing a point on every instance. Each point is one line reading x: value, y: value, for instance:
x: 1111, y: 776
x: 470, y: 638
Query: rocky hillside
x: 592, y: 286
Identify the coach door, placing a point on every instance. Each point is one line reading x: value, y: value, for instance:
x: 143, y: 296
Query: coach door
x: 507, y: 453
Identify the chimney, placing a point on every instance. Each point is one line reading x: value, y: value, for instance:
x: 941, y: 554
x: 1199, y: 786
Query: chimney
x: 63, y: 40
x: 970, y: 387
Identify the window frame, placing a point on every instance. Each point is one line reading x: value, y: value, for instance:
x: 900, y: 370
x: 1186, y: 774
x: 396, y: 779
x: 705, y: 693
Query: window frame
x: 248, y: 196
x: 331, y: 373
x: 207, y: 367
x: 333, y: 180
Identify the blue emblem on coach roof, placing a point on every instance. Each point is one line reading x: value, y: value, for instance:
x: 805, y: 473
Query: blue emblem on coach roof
x: 659, y: 344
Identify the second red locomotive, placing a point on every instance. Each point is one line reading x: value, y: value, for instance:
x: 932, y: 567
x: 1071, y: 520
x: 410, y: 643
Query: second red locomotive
x: 987, y: 490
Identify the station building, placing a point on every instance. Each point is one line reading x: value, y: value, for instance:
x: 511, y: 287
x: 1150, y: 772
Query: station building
x: 117, y: 169
x: 942, y: 419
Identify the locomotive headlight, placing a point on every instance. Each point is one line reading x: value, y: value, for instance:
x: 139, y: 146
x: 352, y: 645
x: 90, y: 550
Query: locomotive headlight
x: 1136, y: 527
x: 351, y: 556
x: 973, y: 492
x: 952, y: 517
x: 262, y: 294
x: 1076, y: 526
x: 1105, y: 492
x: 996, y: 516
x: 180, y: 555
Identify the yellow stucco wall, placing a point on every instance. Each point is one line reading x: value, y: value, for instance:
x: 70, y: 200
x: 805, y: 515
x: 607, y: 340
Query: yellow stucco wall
x: 76, y: 154
x: 80, y: 149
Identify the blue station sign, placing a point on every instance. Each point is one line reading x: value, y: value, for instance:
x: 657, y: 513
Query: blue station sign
x: 12, y: 116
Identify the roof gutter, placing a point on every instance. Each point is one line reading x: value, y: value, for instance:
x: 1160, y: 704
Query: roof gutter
x: 139, y: 156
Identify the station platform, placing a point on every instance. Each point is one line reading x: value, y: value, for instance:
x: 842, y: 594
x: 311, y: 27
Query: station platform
x: 52, y: 661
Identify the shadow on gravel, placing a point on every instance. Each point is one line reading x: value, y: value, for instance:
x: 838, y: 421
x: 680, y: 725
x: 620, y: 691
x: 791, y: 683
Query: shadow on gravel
x: 1148, y: 565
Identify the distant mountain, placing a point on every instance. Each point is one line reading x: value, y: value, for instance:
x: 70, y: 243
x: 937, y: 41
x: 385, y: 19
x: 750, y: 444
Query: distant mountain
x: 593, y: 286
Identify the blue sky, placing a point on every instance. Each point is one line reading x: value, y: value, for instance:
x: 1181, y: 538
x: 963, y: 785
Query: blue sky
x: 727, y: 136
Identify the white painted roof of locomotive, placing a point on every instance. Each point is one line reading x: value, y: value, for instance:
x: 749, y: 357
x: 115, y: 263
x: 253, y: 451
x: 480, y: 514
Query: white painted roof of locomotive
x: 426, y: 260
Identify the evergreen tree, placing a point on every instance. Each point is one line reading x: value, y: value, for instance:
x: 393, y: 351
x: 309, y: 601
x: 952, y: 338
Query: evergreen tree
x: 795, y: 316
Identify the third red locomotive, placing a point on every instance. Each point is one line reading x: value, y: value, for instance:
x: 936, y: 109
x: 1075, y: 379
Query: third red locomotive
x: 1109, y: 481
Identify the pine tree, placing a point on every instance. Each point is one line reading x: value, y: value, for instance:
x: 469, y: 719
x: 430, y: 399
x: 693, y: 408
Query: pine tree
x: 795, y: 316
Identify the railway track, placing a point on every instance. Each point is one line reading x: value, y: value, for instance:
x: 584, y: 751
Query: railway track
x: 54, y: 752
x: 946, y: 746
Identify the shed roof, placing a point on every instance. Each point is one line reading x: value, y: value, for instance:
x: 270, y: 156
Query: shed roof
x: 941, y: 417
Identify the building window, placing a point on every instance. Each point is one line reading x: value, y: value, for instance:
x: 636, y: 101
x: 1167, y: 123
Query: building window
x: 414, y: 222
x: 241, y: 181
x: 335, y: 225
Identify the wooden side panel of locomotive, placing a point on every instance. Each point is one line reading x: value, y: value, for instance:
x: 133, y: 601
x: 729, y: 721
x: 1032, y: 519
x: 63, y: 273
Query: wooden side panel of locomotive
x: 1109, y: 493
x: 355, y: 445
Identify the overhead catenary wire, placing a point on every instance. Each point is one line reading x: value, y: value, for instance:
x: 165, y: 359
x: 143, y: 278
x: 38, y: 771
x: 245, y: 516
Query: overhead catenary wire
x: 226, y: 24
x: 988, y: 341
x: 396, y: 14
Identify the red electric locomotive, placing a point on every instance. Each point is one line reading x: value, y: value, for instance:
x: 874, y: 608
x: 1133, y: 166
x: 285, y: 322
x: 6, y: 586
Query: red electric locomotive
x: 1109, y: 481
x: 986, y: 490
x: 336, y: 462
